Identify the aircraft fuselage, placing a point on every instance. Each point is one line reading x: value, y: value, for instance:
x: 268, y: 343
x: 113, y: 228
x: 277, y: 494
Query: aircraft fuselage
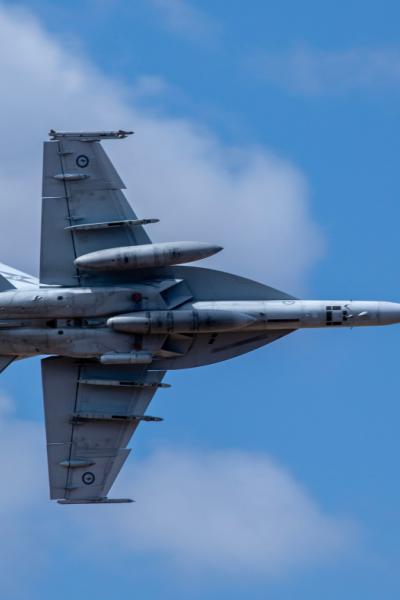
x: 129, y: 323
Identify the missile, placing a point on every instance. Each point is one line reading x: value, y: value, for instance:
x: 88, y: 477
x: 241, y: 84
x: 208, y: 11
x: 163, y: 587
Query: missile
x: 146, y: 256
x: 180, y: 321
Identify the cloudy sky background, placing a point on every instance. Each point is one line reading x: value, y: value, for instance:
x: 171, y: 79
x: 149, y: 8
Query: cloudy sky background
x: 276, y: 473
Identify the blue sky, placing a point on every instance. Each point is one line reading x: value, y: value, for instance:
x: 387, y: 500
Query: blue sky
x: 275, y: 474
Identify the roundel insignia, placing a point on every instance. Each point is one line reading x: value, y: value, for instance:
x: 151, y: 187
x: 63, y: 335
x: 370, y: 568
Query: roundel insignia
x: 82, y: 161
x: 88, y: 478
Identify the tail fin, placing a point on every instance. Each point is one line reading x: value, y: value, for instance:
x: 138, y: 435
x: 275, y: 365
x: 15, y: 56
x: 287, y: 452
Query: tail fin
x: 11, y: 278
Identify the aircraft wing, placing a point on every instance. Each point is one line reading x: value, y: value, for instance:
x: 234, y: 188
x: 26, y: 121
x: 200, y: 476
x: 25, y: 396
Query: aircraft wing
x: 83, y: 208
x: 91, y: 412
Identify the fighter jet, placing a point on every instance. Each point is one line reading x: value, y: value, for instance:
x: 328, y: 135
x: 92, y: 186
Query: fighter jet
x: 113, y: 311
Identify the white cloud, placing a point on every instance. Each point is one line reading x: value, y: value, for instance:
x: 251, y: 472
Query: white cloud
x: 253, y: 202
x: 311, y: 71
x: 226, y: 512
x: 222, y: 513
x: 148, y: 86
x: 185, y: 19
x: 23, y: 489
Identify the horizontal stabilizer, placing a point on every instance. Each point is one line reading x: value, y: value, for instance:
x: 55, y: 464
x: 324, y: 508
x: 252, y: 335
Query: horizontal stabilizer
x: 5, y: 284
x: 11, y: 279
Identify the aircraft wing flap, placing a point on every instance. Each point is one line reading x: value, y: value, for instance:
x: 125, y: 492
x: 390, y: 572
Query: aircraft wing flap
x: 11, y: 279
x: 89, y: 422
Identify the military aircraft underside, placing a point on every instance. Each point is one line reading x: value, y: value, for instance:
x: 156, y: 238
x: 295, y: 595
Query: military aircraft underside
x: 116, y: 311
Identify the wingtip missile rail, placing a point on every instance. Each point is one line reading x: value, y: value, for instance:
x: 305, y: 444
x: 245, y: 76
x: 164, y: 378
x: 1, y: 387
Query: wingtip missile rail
x: 89, y: 136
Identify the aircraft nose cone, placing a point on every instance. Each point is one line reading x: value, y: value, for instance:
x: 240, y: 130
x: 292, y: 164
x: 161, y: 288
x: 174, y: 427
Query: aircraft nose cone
x: 389, y: 312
